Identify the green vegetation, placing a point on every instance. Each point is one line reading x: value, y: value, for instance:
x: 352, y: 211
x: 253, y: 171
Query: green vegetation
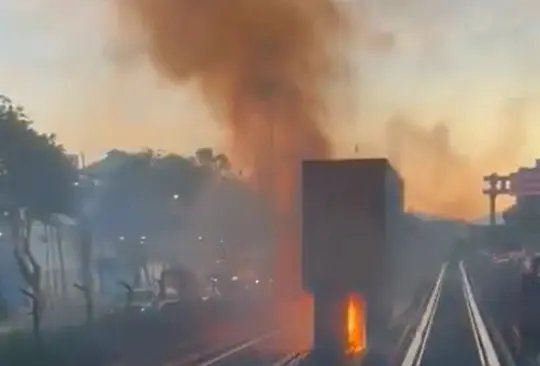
x: 137, y: 205
x: 36, y: 181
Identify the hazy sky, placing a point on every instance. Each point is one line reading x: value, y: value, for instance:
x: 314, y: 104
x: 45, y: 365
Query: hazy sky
x: 460, y: 61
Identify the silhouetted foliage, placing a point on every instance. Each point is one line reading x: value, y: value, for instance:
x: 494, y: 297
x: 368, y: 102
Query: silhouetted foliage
x: 146, y: 195
x: 522, y: 220
x: 36, y: 172
x: 36, y: 181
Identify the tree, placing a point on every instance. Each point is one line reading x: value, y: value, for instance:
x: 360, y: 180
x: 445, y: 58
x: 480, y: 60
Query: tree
x: 86, y: 287
x: 179, y: 178
x: 140, y: 199
x: 205, y: 157
x: 523, y: 220
x: 167, y: 197
x: 125, y: 207
x: 218, y: 163
x: 36, y: 182
x: 58, y: 236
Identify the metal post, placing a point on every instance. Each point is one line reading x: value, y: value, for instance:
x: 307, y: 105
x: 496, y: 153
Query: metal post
x: 491, y: 192
x: 497, y: 185
x: 492, y: 208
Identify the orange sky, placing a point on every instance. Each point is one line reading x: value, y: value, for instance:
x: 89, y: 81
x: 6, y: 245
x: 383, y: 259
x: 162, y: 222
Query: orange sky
x: 461, y: 62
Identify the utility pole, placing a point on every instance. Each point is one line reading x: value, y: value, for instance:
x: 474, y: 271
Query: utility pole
x: 497, y: 185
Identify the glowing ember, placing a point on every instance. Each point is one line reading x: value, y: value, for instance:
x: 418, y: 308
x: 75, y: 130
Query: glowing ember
x: 356, y: 325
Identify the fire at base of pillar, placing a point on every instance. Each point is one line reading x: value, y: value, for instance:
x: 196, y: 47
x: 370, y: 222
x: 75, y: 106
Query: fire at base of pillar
x: 356, y: 324
x: 351, y: 215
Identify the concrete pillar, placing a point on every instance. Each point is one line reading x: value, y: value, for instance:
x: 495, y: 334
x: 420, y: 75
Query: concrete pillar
x: 330, y: 327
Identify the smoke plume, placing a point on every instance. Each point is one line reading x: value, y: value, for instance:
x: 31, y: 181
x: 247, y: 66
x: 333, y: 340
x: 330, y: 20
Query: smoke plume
x: 262, y: 66
x: 440, y: 179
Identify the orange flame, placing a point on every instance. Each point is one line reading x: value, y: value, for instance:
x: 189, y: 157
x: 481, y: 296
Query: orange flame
x: 356, y: 324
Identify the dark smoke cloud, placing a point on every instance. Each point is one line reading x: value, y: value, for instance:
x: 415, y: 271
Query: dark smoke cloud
x: 262, y: 66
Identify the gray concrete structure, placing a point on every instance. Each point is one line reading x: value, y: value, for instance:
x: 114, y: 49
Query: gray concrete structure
x: 352, y: 213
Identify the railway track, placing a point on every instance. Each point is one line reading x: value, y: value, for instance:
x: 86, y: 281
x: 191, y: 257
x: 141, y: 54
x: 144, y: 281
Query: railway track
x: 258, y: 351
x: 455, y: 329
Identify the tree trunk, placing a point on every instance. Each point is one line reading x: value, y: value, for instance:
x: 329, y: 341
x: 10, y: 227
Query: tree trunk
x: 146, y: 274
x: 60, y: 249
x: 89, y: 303
x: 54, y: 261
x: 89, y: 307
x: 49, y: 287
x: 36, y: 319
x: 21, y: 225
x: 87, y: 279
x: 36, y: 315
x: 101, y: 277
x: 137, y: 277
